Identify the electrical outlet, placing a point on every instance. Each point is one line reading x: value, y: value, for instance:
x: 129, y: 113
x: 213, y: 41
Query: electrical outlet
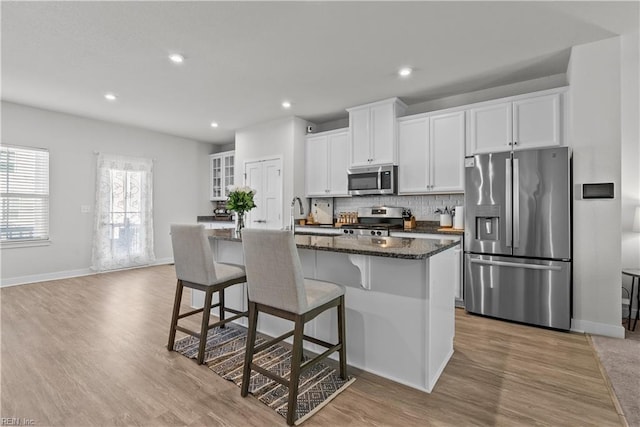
x: 85, y: 208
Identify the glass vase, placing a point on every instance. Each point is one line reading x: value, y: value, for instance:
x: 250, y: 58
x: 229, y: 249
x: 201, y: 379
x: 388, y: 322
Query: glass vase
x: 239, y: 222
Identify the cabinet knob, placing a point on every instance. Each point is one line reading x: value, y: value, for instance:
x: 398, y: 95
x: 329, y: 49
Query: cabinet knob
x: 515, y: 143
x: 510, y: 144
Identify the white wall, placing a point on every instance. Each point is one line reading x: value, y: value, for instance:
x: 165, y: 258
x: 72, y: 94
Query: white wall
x: 180, y: 189
x: 278, y: 138
x: 630, y: 152
x: 595, y: 135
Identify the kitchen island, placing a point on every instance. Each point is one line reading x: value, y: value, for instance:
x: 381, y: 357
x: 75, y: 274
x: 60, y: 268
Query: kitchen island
x: 399, y: 300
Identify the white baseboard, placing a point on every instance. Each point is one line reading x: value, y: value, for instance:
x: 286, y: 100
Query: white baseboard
x: 595, y: 328
x: 67, y: 274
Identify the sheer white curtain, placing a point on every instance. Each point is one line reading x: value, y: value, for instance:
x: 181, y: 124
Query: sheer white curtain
x: 123, y: 233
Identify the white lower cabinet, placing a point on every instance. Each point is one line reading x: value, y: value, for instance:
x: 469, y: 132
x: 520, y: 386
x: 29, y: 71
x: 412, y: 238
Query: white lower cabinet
x: 457, y: 251
x: 402, y: 331
x: 218, y: 224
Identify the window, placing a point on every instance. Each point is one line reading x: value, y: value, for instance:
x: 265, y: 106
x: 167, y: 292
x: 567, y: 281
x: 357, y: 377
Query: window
x: 24, y: 184
x: 124, y: 218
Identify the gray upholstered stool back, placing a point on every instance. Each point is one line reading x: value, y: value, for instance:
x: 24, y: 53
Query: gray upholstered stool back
x: 274, y: 273
x: 192, y: 254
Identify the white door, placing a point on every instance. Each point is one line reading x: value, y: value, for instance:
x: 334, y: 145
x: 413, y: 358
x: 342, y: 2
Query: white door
x: 265, y: 176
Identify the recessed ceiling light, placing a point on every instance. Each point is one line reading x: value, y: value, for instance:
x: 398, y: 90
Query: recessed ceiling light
x: 214, y: 124
x: 405, y: 72
x: 176, y: 58
x: 286, y: 104
x: 110, y: 96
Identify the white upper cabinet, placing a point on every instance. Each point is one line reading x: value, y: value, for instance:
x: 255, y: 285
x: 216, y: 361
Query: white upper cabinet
x: 527, y: 121
x: 536, y: 122
x: 447, y: 141
x: 431, y: 153
x: 373, y: 132
x: 326, y: 163
x: 338, y: 163
x: 490, y: 128
x: 413, y: 155
x: 221, y: 169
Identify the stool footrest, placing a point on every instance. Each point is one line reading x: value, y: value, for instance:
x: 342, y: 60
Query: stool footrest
x: 188, y: 331
x: 200, y: 310
x: 230, y: 319
x: 190, y: 313
x: 317, y: 341
x: 306, y: 365
x: 270, y: 375
x: 268, y: 344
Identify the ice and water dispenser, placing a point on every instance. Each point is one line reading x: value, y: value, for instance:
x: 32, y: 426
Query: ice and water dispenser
x: 487, y: 223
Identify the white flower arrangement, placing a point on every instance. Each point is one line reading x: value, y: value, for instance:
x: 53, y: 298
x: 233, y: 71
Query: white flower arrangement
x: 240, y: 198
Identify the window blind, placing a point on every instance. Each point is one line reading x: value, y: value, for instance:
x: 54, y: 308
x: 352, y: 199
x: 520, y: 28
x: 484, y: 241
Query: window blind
x: 24, y: 184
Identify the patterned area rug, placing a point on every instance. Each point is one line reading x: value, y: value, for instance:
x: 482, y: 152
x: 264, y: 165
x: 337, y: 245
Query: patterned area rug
x: 224, y: 355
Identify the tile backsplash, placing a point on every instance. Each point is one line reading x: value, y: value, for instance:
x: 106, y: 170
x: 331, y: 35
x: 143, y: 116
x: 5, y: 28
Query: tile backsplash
x: 422, y: 207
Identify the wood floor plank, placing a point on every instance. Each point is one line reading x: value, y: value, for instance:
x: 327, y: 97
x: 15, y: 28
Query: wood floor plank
x: 92, y: 351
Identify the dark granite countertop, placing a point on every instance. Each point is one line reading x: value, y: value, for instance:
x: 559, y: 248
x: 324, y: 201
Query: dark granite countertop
x: 433, y: 227
x: 214, y: 218
x: 427, y: 227
x: 394, y: 247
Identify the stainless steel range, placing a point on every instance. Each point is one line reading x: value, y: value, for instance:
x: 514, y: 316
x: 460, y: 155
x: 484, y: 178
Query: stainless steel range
x: 376, y: 221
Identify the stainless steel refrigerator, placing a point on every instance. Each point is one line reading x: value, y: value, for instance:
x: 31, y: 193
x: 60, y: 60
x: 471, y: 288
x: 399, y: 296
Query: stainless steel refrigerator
x: 518, y: 236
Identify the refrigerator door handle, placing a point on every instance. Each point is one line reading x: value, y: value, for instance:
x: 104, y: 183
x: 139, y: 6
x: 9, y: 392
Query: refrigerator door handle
x: 516, y: 203
x: 507, y: 201
x: 516, y: 265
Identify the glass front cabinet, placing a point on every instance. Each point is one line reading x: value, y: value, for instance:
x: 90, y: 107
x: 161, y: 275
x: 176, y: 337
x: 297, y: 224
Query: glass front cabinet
x: 221, y: 174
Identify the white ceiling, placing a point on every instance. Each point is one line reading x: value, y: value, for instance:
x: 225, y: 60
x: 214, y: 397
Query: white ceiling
x: 245, y: 58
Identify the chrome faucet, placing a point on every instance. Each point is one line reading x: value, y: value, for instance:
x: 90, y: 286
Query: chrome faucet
x: 293, y: 221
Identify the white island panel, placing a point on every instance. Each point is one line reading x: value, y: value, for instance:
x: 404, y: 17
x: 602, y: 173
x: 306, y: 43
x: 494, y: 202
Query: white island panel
x: 399, y: 326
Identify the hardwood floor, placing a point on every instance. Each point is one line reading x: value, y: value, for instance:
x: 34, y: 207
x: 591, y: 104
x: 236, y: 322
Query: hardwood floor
x: 92, y: 351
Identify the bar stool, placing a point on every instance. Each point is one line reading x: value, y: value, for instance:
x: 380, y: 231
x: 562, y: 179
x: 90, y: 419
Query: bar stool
x: 277, y: 286
x: 196, y: 269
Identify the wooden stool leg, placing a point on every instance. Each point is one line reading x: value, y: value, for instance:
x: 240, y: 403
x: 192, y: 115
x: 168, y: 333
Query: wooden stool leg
x: 637, y: 280
x: 294, y: 376
x: 221, y: 306
x: 342, y: 337
x: 174, y: 317
x: 204, y: 329
x: 251, y: 344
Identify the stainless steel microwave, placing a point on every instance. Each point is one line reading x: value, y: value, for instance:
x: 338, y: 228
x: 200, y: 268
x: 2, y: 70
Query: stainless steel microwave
x: 373, y: 180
